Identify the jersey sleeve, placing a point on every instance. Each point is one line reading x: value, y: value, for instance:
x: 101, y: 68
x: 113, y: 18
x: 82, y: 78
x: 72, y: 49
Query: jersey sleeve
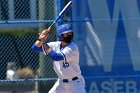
x: 37, y: 49
x: 53, y: 54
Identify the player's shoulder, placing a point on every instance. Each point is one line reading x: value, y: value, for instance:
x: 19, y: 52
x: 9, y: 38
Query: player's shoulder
x: 73, y: 45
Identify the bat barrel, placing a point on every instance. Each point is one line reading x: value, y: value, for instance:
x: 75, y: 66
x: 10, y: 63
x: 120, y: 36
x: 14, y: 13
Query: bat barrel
x: 66, y: 8
x: 62, y: 12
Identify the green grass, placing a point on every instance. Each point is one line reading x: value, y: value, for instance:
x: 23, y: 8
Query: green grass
x: 20, y: 31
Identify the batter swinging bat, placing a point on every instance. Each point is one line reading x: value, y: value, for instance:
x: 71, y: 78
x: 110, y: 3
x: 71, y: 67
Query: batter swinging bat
x: 62, y: 12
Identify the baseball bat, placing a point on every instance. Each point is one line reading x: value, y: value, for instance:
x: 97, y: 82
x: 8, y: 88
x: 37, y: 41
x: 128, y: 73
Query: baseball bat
x: 69, y: 4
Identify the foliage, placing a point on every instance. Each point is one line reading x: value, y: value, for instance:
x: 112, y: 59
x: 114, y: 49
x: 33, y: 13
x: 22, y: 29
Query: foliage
x: 19, y: 32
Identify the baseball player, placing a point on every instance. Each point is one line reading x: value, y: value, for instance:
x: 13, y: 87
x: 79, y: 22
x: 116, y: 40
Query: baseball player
x: 65, y: 56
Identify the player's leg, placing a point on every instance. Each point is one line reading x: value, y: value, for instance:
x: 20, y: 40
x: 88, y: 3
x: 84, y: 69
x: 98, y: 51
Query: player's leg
x: 76, y: 86
x: 57, y: 88
x: 53, y: 89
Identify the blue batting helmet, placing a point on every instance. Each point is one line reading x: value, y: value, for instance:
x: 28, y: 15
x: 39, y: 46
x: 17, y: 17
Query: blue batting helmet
x: 65, y: 28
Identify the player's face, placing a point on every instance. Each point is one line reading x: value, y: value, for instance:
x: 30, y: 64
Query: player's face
x: 67, y: 34
x: 67, y: 37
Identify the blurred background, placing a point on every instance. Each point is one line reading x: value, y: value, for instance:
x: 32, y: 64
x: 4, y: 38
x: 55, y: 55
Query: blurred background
x: 107, y: 33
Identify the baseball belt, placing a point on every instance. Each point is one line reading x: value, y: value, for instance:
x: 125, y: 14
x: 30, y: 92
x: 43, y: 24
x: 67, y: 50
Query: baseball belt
x: 73, y: 79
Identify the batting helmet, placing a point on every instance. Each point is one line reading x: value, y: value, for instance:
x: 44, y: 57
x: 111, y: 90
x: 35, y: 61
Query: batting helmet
x: 62, y: 29
x: 65, y: 28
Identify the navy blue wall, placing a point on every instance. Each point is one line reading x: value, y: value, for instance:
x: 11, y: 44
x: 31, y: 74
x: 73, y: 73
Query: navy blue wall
x: 108, y: 36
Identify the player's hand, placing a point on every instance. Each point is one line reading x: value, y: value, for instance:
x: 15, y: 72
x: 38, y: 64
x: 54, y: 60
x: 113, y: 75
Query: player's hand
x: 44, y: 34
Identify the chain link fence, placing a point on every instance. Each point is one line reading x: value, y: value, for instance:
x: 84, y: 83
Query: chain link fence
x: 20, y: 66
x: 107, y: 35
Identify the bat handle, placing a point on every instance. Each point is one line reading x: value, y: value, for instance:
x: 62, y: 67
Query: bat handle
x: 50, y: 27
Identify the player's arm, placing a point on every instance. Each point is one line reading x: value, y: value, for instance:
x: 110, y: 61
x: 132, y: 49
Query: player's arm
x: 47, y: 50
x: 37, y: 46
x: 40, y: 46
x: 54, y: 56
x: 37, y: 49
